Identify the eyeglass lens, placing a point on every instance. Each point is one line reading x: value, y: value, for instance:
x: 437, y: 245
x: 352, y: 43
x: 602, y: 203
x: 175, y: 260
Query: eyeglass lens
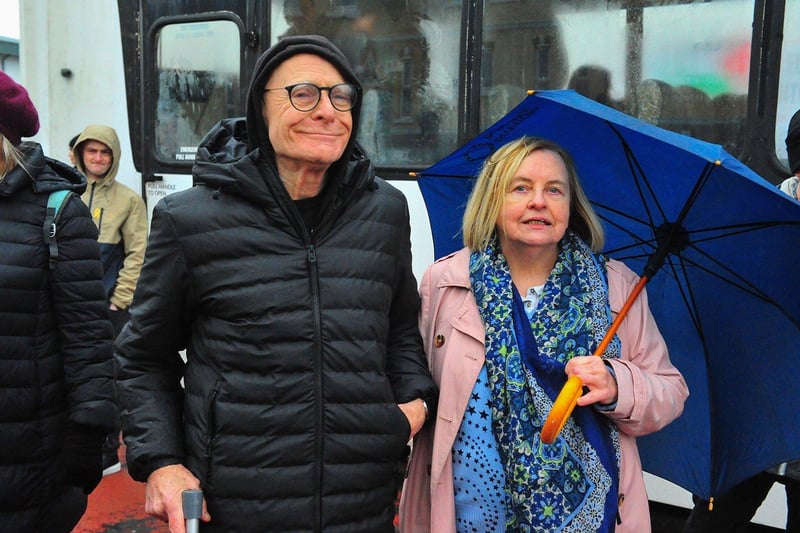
x: 305, y: 96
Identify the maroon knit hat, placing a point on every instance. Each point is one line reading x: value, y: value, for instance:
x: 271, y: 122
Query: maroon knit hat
x: 18, y: 116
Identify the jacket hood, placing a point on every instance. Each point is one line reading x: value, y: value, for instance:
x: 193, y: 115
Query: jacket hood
x: 793, y: 143
x: 224, y: 161
x: 44, y: 174
x: 269, y: 61
x: 105, y: 135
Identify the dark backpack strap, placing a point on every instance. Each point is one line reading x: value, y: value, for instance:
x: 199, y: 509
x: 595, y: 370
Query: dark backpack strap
x: 55, y: 202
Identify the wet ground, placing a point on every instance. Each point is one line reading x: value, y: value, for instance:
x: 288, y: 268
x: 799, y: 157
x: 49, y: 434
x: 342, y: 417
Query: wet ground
x: 117, y: 506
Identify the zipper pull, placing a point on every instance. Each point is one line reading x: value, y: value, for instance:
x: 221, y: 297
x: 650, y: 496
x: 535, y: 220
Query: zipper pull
x: 312, y: 254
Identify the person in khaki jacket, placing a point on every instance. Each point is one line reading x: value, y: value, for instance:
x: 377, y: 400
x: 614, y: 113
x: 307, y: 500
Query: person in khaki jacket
x: 121, y: 218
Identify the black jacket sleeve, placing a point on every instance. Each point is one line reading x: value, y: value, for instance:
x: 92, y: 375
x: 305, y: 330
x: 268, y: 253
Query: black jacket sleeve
x: 148, y: 354
x: 407, y: 366
x: 81, y: 314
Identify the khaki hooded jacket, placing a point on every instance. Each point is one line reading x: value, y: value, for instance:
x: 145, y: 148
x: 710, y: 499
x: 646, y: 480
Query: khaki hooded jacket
x: 121, y: 219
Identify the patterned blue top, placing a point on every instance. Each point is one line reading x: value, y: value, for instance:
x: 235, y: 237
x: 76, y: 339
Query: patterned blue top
x: 477, y: 469
x: 478, y: 477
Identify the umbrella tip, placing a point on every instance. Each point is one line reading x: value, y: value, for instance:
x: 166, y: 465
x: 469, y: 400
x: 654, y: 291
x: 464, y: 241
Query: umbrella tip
x: 530, y: 92
x: 718, y: 162
x: 413, y: 174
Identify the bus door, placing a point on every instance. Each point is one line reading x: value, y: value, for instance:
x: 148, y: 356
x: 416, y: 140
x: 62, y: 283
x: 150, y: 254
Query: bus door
x: 185, y: 62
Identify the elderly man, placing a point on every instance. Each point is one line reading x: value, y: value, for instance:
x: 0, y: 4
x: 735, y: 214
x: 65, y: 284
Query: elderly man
x: 286, y: 275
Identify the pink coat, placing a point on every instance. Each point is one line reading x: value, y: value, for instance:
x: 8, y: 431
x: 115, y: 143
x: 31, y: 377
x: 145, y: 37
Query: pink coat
x: 651, y: 392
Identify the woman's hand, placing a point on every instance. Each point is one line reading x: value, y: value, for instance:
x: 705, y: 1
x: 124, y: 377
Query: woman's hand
x: 596, y: 376
x: 415, y: 412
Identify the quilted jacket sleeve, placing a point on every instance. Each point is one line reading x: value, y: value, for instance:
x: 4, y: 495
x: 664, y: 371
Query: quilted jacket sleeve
x: 406, y: 362
x: 81, y: 314
x: 148, y: 355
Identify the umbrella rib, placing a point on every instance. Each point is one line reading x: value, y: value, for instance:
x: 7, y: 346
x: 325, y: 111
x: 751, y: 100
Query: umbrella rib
x: 740, y: 228
x: 638, y: 240
x: 615, y: 211
x: 698, y: 186
x: 735, y: 280
x: 638, y: 174
x: 687, y: 294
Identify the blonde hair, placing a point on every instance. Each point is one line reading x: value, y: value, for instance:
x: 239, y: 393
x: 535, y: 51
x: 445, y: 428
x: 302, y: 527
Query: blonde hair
x: 488, y: 195
x: 10, y: 157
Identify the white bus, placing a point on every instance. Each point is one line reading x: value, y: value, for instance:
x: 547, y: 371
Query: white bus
x: 435, y: 74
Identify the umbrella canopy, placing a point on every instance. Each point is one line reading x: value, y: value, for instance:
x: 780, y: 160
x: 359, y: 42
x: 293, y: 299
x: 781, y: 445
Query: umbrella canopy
x: 727, y: 298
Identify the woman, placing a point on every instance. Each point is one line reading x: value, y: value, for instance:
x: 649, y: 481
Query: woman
x: 56, y: 370
x: 505, y: 320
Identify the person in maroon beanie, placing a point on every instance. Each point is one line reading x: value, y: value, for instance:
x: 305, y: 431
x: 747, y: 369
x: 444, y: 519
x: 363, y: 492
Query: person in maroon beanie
x: 57, y: 399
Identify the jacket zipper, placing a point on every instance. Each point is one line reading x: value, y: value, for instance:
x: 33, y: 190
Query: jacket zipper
x: 311, y: 259
x: 97, y: 214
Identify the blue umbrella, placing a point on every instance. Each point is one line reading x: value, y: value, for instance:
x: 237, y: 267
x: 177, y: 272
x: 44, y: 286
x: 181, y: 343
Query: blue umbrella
x: 721, y: 249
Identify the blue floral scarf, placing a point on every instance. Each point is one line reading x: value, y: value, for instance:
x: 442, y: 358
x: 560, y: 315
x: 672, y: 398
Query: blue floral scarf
x: 572, y: 484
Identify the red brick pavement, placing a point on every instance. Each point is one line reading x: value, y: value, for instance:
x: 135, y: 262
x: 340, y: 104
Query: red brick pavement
x: 117, y: 506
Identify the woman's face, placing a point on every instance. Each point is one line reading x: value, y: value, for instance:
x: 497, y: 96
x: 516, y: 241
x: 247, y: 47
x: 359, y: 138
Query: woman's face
x: 536, y: 207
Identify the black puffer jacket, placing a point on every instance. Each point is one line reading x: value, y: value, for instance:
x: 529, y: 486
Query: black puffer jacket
x: 56, y: 369
x: 299, y: 346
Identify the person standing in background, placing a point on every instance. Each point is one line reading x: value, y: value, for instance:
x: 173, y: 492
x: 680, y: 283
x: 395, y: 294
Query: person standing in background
x: 71, y: 152
x: 56, y: 367
x: 790, y: 184
x: 121, y: 219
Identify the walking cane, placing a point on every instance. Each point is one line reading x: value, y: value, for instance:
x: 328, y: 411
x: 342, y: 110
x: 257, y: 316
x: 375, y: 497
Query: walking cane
x: 192, y: 509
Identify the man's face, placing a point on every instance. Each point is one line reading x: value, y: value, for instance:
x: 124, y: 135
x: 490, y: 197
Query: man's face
x: 97, y: 159
x: 310, y: 140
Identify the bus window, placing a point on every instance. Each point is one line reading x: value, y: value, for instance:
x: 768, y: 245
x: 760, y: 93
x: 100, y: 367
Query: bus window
x: 683, y: 66
x: 789, y: 88
x: 406, y: 55
x: 197, y: 68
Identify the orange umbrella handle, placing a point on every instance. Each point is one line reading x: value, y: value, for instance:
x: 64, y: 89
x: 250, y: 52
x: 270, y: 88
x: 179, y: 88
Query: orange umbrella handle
x: 562, y: 408
x: 572, y: 389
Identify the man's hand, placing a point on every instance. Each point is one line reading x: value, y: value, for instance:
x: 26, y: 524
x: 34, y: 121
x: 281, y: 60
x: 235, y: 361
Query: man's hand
x: 163, y: 496
x: 415, y: 412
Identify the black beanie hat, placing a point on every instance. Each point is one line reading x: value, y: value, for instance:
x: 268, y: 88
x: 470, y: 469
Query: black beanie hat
x: 257, y: 134
x: 793, y: 143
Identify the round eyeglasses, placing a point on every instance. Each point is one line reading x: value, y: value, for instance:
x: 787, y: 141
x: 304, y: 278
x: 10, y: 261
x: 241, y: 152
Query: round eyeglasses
x: 306, y: 96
